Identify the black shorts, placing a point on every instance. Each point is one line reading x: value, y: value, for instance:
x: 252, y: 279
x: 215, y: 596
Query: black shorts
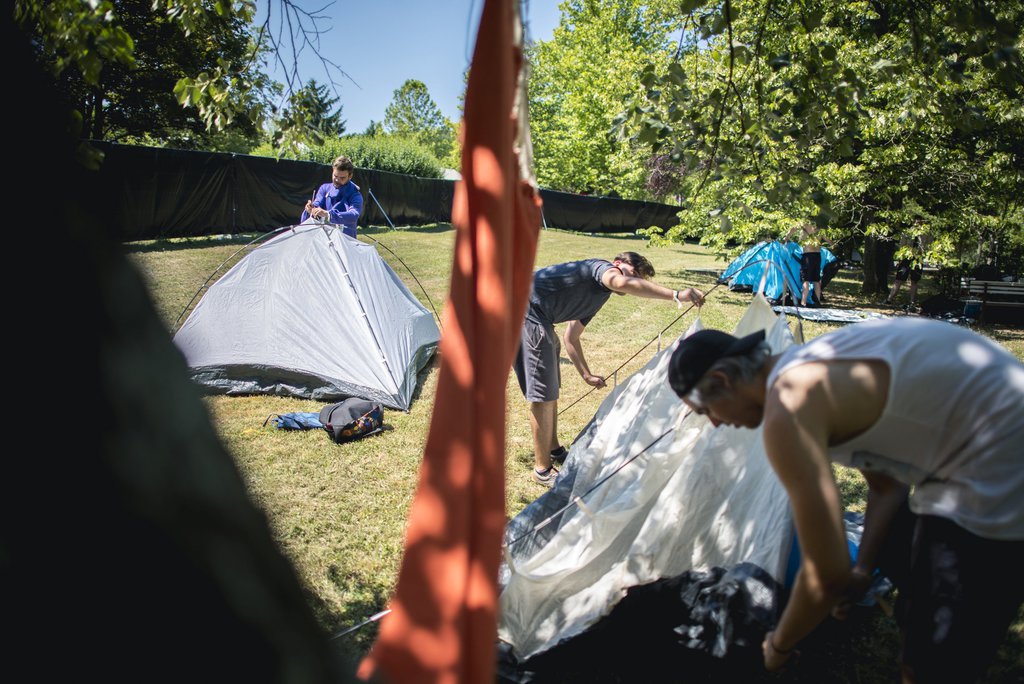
x: 958, y: 595
x: 904, y: 271
x: 810, y: 267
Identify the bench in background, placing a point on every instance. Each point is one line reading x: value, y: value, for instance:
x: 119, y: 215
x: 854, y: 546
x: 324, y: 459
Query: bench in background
x: 1000, y: 301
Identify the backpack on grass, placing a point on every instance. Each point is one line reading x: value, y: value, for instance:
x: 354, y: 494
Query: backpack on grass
x: 352, y: 419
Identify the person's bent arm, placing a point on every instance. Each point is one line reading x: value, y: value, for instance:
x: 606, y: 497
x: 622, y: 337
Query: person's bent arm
x: 885, y: 496
x: 574, y: 348
x: 617, y: 281
x: 347, y: 213
x: 312, y: 206
x: 796, y: 438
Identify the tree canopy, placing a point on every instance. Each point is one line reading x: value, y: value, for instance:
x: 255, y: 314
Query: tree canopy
x: 123, y: 63
x: 580, y: 80
x: 873, y: 119
x: 119, y: 62
x: 413, y: 113
x: 312, y: 107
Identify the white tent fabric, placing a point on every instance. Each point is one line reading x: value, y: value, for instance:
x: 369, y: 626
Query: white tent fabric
x: 699, y: 498
x: 312, y: 313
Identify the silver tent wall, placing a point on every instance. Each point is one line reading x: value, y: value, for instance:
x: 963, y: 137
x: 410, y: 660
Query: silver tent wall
x: 311, y: 313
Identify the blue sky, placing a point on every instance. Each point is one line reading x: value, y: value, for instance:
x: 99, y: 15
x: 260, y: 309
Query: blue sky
x: 381, y: 43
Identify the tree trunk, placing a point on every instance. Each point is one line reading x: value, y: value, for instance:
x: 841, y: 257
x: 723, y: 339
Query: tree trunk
x: 877, y: 262
x: 97, y: 115
x: 870, y: 282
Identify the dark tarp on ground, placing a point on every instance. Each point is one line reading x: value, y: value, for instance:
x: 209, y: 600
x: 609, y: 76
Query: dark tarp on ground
x: 709, y: 622
x: 150, y: 192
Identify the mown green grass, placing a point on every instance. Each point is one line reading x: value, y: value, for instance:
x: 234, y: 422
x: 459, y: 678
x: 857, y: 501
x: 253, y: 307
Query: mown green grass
x: 339, y: 511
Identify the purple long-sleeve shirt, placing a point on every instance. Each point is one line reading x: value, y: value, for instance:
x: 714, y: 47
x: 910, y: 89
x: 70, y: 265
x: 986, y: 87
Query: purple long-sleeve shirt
x: 344, y: 204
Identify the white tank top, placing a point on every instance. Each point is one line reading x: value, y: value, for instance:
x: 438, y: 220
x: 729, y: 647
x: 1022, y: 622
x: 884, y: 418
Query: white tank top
x: 953, y: 426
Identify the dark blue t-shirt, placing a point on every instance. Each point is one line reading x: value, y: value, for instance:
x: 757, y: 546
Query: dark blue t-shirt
x: 571, y: 291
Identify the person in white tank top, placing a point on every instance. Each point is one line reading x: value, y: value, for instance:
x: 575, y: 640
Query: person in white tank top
x: 933, y: 416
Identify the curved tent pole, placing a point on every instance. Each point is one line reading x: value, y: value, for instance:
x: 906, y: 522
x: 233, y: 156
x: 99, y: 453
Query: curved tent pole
x: 726, y: 275
x: 372, y: 618
x: 717, y: 284
x: 282, y: 228
x: 221, y: 265
x: 369, y: 190
x: 578, y: 499
x: 722, y: 280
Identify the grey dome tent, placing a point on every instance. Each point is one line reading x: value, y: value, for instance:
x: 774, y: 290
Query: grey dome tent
x: 311, y: 313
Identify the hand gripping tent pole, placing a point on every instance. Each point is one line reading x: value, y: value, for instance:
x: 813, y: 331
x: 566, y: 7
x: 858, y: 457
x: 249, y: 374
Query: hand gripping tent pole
x: 656, y: 338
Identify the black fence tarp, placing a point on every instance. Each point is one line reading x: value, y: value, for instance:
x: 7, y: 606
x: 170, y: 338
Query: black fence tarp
x: 151, y: 192
x: 589, y: 214
x: 407, y: 200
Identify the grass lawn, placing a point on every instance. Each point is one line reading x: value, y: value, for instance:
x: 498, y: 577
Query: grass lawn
x: 339, y: 512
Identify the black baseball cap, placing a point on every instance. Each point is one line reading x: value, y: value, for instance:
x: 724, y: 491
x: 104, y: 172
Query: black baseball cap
x: 698, y: 352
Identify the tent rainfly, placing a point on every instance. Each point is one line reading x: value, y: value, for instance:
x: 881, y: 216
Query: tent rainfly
x: 311, y: 313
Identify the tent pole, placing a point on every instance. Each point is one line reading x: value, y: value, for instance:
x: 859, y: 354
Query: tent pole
x: 369, y: 190
x: 652, y: 340
x: 216, y: 270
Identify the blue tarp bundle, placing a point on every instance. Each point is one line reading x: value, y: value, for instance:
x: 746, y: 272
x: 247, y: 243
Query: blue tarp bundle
x: 777, y: 263
x: 302, y: 420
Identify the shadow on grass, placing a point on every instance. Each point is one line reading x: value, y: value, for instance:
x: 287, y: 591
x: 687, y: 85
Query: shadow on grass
x: 421, y: 378
x: 427, y: 229
x: 353, y: 646
x: 182, y: 243
x: 699, y: 277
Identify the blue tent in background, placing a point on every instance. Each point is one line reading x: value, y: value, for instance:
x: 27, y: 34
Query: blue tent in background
x: 774, y: 263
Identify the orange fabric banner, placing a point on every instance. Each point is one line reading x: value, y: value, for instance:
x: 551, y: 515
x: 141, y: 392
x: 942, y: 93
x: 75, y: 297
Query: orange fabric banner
x: 443, y: 625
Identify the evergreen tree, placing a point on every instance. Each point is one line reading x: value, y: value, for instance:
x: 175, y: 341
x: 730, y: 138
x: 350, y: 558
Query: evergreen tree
x: 413, y: 113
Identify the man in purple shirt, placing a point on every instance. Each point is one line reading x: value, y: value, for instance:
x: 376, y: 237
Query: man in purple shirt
x: 339, y: 201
